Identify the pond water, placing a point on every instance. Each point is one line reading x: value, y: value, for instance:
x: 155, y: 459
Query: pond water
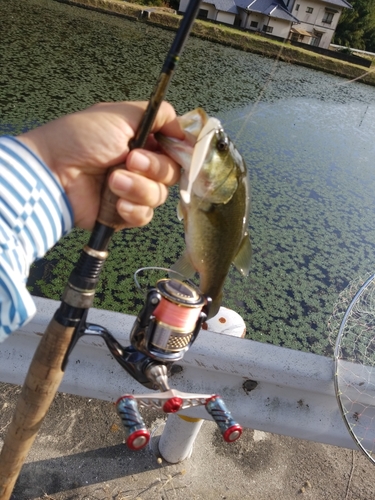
x: 307, y: 138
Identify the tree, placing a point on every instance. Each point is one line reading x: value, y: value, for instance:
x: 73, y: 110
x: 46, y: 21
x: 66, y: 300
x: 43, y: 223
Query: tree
x: 369, y: 35
x: 356, y: 28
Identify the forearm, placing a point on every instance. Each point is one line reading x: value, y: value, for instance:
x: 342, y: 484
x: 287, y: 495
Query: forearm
x: 34, y: 214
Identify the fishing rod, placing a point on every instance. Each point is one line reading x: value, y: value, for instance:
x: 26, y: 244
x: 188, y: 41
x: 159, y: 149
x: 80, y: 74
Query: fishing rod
x: 47, y: 367
x: 166, y: 327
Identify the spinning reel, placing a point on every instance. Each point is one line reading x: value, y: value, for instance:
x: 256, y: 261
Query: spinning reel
x: 166, y: 327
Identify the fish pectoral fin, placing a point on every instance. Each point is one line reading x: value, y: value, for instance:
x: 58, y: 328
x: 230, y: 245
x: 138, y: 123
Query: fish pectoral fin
x: 183, y: 266
x: 243, y: 258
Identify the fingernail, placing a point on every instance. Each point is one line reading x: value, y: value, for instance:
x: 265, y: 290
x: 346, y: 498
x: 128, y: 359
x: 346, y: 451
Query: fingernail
x: 122, y: 182
x: 140, y: 162
x: 126, y: 207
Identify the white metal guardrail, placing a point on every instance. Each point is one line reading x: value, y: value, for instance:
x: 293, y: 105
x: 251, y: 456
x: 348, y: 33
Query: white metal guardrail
x: 265, y: 387
x: 354, y: 50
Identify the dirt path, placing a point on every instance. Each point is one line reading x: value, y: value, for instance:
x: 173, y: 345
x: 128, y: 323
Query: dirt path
x: 79, y: 455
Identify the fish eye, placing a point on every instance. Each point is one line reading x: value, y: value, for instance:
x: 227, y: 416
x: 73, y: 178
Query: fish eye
x: 222, y: 141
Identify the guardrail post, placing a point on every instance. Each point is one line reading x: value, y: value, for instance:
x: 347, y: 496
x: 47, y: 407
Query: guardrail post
x: 178, y: 437
x: 180, y: 431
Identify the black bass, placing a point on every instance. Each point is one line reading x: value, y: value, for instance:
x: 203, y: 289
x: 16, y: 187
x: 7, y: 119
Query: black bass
x: 214, y: 203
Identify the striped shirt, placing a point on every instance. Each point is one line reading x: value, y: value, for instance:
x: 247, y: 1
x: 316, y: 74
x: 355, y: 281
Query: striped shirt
x: 34, y: 214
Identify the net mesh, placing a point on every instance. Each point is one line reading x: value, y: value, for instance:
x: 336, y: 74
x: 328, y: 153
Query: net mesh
x: 352, y: 331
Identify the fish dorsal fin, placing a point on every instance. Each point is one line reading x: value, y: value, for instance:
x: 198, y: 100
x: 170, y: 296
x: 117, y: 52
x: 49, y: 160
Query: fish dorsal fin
x: 199, y: 155
x: 243, y: 258
x: 183, y: 266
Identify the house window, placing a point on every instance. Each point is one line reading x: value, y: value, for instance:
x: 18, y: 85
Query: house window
x: 254, y: 24
x: 315, y: 40
x: 203, y: 14
x: 327, y: 17
x: 297, y: 6
x: 309, y: 10
x: 267, y: 29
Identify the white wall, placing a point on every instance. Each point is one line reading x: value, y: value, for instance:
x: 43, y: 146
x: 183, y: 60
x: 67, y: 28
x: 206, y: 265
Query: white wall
x: 183, y: 5
x: 212, y: 12
x: 247, y: 18
x: 226, y: 17
x: 280, y: 28
x: 312, y: 21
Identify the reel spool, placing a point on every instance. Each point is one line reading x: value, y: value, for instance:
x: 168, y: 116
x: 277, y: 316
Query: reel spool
x: 170, y: 320
x: 176, y: 315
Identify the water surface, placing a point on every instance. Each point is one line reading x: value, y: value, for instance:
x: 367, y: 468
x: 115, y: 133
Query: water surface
x: 307, y: 138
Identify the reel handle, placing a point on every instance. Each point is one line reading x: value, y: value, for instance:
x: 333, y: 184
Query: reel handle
x: 172, y: 401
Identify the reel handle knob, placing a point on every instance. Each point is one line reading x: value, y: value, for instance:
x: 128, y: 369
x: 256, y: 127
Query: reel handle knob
x: 136, y: 434
x: 229, y: 428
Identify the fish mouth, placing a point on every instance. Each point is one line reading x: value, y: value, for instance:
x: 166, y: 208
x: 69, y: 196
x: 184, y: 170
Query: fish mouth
x: 193, y: 122
x: 181, y: 151
x: 200, y: 155
x: 191, y: 152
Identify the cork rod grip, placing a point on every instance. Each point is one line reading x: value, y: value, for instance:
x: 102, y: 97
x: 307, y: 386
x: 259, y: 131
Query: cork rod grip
x: 108, y: 215
x: 39, y: 389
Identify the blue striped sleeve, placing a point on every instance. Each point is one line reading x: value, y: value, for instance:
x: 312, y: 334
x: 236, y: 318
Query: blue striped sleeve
x: 34, y: 214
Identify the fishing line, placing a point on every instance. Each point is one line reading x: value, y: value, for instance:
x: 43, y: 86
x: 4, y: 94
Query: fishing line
x: 356, y: 78
x: 270, y: 79
x: 364, y: 115
x: 261, y: 93
x: 170, y: 272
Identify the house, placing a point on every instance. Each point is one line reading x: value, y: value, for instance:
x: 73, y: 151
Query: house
x: 308, y: 21
x: 269, y: 16
x: 223, y: 11
x: 317, y: 17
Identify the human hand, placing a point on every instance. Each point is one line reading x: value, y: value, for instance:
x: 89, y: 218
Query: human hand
x: 80, y: 147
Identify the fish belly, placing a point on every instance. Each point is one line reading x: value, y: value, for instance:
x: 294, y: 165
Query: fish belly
x: 213, y: 237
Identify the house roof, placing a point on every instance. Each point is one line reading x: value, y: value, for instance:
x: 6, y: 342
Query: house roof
x: 340, y: 3
x: 272, y: 8
x: 300, y: 31
x: 224, y: 5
